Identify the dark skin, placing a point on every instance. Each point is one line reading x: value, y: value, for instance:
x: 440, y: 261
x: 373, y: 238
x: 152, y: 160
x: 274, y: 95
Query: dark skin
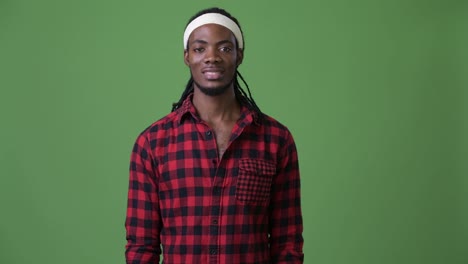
x: 212, y: 56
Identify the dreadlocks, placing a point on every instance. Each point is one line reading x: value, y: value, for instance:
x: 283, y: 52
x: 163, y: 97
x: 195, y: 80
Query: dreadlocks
x: 242, y: 97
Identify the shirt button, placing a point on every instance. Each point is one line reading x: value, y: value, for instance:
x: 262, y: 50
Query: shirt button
x: 213, y: 251
x: 215, y: 222
x: 208, y: 133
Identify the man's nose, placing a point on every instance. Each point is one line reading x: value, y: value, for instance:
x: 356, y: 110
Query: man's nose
x: 212, y: 56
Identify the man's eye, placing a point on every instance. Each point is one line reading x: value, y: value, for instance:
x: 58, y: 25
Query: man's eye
x: 226, y: 49
x: 198, y: 49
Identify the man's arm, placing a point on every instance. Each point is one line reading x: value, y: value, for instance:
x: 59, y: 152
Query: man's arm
x: 286, y: 241
x: 143, y: 222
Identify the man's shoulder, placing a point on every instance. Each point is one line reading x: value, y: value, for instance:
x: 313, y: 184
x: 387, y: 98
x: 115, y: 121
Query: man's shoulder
x: 271, y: 122
x: 159, y: 126
x: 273, y: 130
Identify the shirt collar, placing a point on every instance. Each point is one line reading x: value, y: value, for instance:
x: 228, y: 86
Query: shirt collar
x: 188, y: 109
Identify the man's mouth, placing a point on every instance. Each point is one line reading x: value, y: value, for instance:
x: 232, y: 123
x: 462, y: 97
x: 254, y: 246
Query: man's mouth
x: 212, y: 73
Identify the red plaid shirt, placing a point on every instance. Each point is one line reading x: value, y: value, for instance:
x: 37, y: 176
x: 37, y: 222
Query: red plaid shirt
x: 243, y: 208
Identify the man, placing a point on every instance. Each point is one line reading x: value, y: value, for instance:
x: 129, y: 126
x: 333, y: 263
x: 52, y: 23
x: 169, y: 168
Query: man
x: 216, y: 180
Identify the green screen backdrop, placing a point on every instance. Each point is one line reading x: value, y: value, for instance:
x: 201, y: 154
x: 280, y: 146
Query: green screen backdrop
x: 374, y: 92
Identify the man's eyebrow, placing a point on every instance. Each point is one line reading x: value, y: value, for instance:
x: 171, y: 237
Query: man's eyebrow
x: 224, y: 42
x: 199, y: 41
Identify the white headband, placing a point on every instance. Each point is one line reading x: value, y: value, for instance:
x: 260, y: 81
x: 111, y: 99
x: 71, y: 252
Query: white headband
x: 214, y: 18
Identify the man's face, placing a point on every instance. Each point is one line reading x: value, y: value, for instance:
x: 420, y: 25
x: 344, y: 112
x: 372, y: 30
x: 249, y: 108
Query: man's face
x: 212, y: 56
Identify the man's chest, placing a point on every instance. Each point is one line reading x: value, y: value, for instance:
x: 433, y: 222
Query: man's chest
x: 222, y: 137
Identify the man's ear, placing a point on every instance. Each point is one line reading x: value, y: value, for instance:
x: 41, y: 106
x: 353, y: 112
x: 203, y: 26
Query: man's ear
x: 240, y: 56
x: 186, y: 59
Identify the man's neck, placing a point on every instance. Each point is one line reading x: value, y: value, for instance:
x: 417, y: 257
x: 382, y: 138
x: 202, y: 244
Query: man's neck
x: 215, y: 109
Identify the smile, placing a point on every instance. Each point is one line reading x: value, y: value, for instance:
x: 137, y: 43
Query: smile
x: 212, y: 74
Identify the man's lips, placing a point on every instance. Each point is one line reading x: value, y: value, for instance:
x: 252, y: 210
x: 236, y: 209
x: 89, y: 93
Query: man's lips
x: 212, y: 73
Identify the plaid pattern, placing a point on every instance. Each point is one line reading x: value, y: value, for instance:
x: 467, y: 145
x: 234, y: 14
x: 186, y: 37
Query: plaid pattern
x: 191, y: 207
x: 254, y: 180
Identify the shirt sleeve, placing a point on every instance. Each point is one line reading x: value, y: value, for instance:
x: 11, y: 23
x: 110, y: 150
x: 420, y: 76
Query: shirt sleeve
x: 286, y: 241
x: 143, y: 220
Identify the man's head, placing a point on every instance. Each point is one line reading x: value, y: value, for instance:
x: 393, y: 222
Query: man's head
x: 216, y: 72
x: 213, y: 49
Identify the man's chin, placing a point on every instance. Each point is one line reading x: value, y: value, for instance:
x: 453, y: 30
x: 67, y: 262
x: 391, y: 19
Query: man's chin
x: 213, y: 91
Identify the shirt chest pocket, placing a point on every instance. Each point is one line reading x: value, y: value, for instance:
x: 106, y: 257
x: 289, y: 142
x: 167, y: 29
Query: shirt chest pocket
x: 254, y: 180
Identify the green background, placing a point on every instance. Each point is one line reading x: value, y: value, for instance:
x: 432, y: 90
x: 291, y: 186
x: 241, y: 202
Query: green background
x: 375, y: 93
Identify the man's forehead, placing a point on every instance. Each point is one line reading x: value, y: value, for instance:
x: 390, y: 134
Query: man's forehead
x: 212, y: 31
